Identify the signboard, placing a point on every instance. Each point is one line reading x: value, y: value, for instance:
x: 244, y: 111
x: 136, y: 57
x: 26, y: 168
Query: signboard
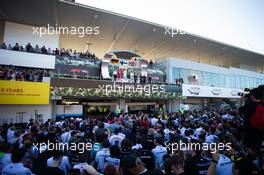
x: 77, y: 67
x: 157, y: 75
x: 208, y: 91
x: 69, y: 110
x: 21, y: 92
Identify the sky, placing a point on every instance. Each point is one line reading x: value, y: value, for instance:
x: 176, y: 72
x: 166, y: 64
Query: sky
x: 235, y: 22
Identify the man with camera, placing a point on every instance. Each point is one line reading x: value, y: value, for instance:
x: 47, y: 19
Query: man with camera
x: 252, y: 110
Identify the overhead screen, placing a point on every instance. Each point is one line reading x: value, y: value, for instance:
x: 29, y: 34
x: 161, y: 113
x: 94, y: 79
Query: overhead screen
x: 20, y: 92
x: 77, y: 67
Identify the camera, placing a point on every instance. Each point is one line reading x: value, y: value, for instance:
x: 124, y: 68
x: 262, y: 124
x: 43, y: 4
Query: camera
x: 245, y: 93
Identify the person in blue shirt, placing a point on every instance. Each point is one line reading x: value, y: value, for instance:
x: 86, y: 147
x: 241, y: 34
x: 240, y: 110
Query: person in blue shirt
x: 16, y: 167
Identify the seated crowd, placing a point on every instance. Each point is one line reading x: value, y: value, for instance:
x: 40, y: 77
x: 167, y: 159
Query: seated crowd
x: 138, y: 144
x: 49, y: 51
x: 8, y: 72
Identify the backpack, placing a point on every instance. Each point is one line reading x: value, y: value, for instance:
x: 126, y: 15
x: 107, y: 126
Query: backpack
x: 257, y: 119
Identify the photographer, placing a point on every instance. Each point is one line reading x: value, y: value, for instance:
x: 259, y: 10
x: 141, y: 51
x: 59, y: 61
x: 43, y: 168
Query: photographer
x: 253, y: 104
x: 253, y: 113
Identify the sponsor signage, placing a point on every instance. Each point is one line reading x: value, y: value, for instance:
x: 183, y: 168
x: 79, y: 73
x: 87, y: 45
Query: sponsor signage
x: 20, y: 92
x: 70, y: 67
x: 207, y: 91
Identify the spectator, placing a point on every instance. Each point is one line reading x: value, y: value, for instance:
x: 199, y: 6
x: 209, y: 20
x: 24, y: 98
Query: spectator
x: 16, y: 47
x: 29, y: 48
x: 116, y: 139
x: 114, y: 158
x: 53, y: 168
x: 21, y: 49
x: 6, y: 158
x: 37, y: 50
x: 44, y: 50
x: 57, y: 52
x: 138, y: 145
x: 9, y: 47
x: 132, y: 165
x: 174, y: 165
x: 195, y: 163
x: 49, y: 51
x: 84, y: 167
x: 159, y: 152
x: 64, y: 164
x: 102, y: 155
x: 3, y: 46
x: 111, y: 170
x: 16, y: 167
x: 147, y: 156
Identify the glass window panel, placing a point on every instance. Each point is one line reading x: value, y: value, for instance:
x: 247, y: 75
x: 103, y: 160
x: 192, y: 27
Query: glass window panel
x: 237, y: 80
x: 215, y: 80
x: 175, y: 73
x: 232, y: 81
x: 221, y: 81
x: 243, y: 83
x: 227, y: 81
x: 251, y: 82
x: 184, y: 75
x: 247, y: 82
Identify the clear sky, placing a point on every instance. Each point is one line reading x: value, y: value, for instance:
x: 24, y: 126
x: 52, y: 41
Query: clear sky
x: 235, y: 22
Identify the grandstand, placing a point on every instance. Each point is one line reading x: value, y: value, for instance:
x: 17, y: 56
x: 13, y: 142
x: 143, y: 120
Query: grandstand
x: 85, y: 91
x: 118, y: 51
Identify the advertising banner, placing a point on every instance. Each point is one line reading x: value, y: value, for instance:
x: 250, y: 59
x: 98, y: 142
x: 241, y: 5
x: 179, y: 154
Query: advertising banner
x: 208, y: 91
x: 157, y: 75
x: 21, y: 92
x: 77, y: 67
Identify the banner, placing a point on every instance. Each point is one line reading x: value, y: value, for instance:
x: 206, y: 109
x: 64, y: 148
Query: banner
x: 157, y: 75
x: 105, y: 70
x: 21, y: 92
x: 208, y: 91
x: 77, y: 67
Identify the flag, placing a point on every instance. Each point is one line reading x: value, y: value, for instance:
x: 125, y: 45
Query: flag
x: 114, y: 61
x: 123, y: 62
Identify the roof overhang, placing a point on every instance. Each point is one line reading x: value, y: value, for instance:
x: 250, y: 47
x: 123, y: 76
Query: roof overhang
x: 119, y: 32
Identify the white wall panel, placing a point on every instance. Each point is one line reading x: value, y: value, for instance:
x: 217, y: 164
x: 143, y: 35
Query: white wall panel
x: 10, y: 113
x: 26, y: 59
x: 22, y: 34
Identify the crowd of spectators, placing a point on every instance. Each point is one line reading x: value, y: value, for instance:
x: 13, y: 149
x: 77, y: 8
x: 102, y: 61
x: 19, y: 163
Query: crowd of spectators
x: 138, y: 144
x: 8, y: 72
x: 49, y: 51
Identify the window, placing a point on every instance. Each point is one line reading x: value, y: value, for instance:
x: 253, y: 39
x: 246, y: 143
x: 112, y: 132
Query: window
x: 221, y: 81
x: 184, y: 73
x: 175, y: 73
x: 233, y: 81
x: 237, y: 80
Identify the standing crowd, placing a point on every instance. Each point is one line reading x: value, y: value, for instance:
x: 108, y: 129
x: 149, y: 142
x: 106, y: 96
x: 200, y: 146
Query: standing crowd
x: 48, y: 51
x: 142, y: 143
x: 8, y: 72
